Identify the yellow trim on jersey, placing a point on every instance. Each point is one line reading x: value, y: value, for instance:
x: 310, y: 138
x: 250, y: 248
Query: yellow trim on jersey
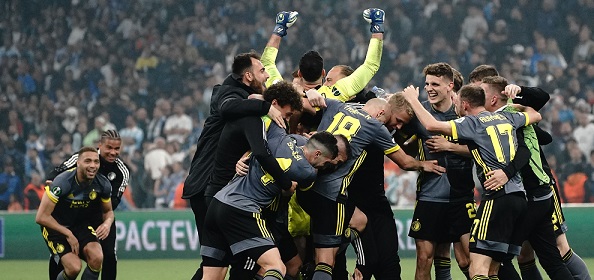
x: 340, y: 219
x: 106, y: 200
x: 392, y: 150
x: 346, y: 181
x: 527, y: 118
x: 267, y: 121
x: 484, y: 223
x: 262, y: 225
x: 51, y: 196
x: 454, y: 130
x: 479, y: 160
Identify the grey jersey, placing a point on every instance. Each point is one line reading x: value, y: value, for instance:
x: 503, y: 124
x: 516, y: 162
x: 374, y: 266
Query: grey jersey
x: 361, y: 130
x: 257, y: 189
x: 494, y: 144
x: 456, y: 183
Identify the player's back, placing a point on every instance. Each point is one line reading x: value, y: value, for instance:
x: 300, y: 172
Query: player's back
x: 361, y: 130
x: 494, y: 144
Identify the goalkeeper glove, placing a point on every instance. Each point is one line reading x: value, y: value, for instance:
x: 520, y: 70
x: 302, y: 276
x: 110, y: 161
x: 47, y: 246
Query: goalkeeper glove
x: 284, y: 20
x: 376, y: 18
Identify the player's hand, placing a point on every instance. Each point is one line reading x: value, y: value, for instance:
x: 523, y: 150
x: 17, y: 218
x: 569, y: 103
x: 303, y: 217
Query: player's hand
x: 284, y: 20
x: 241, y: 167
x: 256, y: 96
x: 291, y: 190
x: 102, y: 231
x: 376, y: 17
x: 357, y: 275
x: 315, y: 98
x: 431, y: 166
x: 73, y: 243
x: 438, y: 144
x: 496, y: 179
x: 411, y: 93
x: 276, y: 116
x: 511, y: 91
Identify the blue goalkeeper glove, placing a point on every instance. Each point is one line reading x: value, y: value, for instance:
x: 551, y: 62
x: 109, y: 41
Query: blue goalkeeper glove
x: 376, y: 17
x: 284, y: 20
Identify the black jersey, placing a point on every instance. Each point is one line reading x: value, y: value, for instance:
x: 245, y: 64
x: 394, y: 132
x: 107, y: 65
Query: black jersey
x: 456, y: 183
x: 116, y: 172
x: 75, y: 201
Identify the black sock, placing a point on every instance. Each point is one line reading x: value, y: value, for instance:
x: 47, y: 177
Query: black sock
x: 442, y: 268
x: 465, y: 271
x: 273, y: 274
x: 529, y: 270
x: 323, y: 272
x: 507, y: 271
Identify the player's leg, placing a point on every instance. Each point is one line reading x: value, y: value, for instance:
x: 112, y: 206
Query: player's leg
x: 94, y: 258
x: 215, y: 251
x: 72, y: 266
x: 461, y: 218
x: 442, y: 261
x: 496, y: 233
x: 329, y: 220
x: 110, y: 261
x: 199, y: 208
x: 271, y: 263
x: 55, y: 266
x: 385, y: 237
x: 429, y: 226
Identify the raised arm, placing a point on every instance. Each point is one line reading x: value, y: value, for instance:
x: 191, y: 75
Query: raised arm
x: 284, y: 20
x: 411, y: 94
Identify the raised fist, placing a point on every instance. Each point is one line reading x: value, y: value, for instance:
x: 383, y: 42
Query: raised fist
x: 376, y: 17
x: 284, y: 20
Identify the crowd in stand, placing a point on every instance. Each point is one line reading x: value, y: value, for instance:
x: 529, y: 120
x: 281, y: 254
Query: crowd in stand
x: 71, y: 69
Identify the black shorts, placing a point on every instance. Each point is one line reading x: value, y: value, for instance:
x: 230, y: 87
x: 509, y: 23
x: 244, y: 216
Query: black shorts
x: 230, y: 231
x: 558, y: 218
x: 58, y: 245
x: 329, y: 219
x: 497, y: 230
x: 461, y: 215
x: 283, y: 239
x: 430, y: 221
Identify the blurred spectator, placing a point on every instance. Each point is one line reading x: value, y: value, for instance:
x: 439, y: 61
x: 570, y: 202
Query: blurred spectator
x: 91, y: 139
x: 34, y: 164
x: 156, y: 124
x: 132, y: 136
x: 154, y: 161
x: 589, y: 171
x: 584, y: 133
x: 573, y: 178
x: 10, y: 185
x: 179, y: 125
x: 33, y: 192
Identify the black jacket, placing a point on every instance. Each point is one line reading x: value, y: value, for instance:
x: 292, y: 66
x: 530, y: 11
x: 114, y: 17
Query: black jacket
x: 229, y: 101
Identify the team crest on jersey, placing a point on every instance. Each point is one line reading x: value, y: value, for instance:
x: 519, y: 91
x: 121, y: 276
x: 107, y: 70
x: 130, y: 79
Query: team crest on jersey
x: 335, y: 91
x: 111, y: 176
x: 60, y: 248
x: 415, y: 226
x: 56, y: 191
x: 93, y: 195
x: 347, y: 233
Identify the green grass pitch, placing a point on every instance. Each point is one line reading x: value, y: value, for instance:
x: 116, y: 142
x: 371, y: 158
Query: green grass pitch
x: 168, y: 269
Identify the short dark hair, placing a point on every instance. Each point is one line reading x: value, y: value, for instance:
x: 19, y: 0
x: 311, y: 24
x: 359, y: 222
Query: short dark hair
x: 87, y: 149
x: 440, y: 69
x: 347, y: 145
x: 324, y: 140
x: 285, y: 94
x: 311, y: 65
x: 481, y: 72
x: 498, y: 84
x: 474, y: 95
x: 243, y: 61
x: 458, y: 80
x: 110, y: 134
